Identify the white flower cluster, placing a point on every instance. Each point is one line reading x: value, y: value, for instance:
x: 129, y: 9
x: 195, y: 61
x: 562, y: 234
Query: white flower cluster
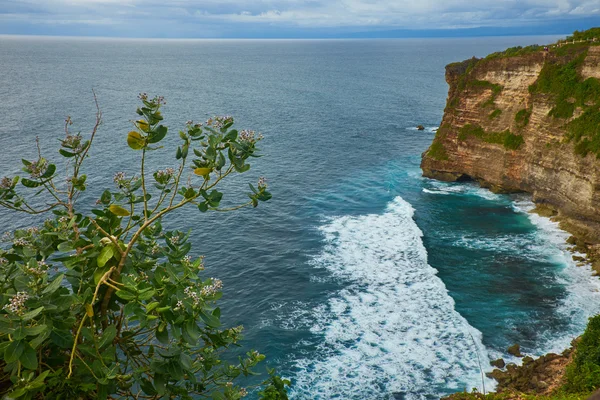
x: 6, y: 183
x: 191, y: 293
x: 17, y: 303
x: 165, y: 174
x: 119, y: 179
x: 249, y: 136
x: 219, y: 122
x: 37, y: 168
x: 21, y: 242
x: 213, y: 288
x: 73, y: 142
x: 38, y: 270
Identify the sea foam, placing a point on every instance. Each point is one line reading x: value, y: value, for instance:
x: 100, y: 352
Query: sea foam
x: 583, y: 299
x: 393, y: 328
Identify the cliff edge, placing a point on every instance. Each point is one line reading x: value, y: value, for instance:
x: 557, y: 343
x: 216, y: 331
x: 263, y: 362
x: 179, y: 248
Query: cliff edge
x: 527, y: 120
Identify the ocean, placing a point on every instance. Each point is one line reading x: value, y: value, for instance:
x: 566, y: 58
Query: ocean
x: 360, y: 279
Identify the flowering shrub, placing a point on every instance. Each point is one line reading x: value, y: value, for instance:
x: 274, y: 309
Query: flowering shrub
x: 108, y: 304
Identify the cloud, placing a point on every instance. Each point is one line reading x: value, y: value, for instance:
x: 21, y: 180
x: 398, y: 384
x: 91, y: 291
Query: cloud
x: 168, y: 18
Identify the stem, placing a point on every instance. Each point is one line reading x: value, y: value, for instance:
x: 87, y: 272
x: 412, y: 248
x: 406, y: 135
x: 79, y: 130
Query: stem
x: 144, y: 186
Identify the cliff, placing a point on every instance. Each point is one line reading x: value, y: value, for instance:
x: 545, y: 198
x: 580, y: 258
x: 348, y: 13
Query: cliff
x: 527, y: 120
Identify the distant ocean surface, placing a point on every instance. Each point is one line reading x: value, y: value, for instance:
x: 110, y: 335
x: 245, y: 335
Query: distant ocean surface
x: 360, y: 279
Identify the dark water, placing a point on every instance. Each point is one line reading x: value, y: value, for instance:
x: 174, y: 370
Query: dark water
x: 360, y: 278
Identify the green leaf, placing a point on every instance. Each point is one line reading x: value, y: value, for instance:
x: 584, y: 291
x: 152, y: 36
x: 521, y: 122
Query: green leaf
x: 203, y: 207
x: 32, y: 314
x: 106, y: 254
x: 67, y: 154
x: 99, y: 273
x: 151, y: 306
x: 205, y: 172
x: 146, y: 295
x: 125, y: 295
x: 186, y: 361
x: 49, y: 171
x: 157, y: 134
x: 29, y: 183
x: 147, y: 387
x: 118, y: 210
x: 35, y: 330
x: 53, y: 287
x: 210, y: 320
x: 178, y: 153
x: 192, y: 330
x: 106, y: 196
x: 29, y: 357
x: 108, y: 336
x: 16, y: 394
x: 65, y: 247
x: 162, y: 334
x: 135, y: 140
x: 13, y: 351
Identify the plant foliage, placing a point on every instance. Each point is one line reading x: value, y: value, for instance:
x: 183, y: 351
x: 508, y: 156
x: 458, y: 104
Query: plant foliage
x: 107, y: 303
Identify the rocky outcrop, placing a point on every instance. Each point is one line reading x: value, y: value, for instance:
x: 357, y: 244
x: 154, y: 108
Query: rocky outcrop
x: 529, y: 123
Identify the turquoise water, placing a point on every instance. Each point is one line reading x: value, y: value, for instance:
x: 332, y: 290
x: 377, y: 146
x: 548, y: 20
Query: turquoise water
x: 361, y: 279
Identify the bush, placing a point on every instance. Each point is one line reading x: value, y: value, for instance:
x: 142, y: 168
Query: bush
x: 507, y: 139
x: 107, y: 303
x: 522, y: 117
x: 437, y: 151
x: 583, y: 374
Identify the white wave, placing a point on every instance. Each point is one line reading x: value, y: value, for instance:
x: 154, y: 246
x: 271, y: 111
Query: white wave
x: 393, y: 328
x: 583, y: 299
x: 436, y: 191
x: 469, y: 188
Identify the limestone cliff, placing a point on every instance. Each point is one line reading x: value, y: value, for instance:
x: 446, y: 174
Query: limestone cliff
x: 527, y: 120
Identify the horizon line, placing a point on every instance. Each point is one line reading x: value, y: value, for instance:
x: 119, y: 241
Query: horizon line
x: 37, y: 36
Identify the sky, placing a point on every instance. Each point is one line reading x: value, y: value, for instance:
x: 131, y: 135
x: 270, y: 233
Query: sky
x: 295, y: 18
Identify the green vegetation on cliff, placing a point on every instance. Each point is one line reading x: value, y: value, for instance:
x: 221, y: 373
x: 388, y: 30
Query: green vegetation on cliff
x: 437, y: 151
x: 583, y: 374
x: 561, y: 79
x: 509, y: 140
x: 522, y: 117
x: 592, y: 33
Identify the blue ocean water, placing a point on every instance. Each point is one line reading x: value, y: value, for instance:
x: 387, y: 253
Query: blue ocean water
x: 360, y: 279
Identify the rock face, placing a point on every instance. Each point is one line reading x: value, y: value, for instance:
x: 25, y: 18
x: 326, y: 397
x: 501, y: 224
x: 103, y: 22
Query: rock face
x: 513, y: 126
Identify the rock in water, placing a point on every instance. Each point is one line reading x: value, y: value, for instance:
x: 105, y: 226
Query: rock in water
x: 420, y: 127
x: 499, y: 363
x: 515, y: 350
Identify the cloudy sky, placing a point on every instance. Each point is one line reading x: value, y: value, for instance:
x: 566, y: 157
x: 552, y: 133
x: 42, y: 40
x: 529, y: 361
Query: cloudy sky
x: 295, y: 18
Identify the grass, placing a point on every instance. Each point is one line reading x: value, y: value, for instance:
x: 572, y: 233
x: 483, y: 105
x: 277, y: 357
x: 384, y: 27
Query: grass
x: 522, y: 117
x: 583, y: 374
x: 585, y: 35
x: 495, y: 114
x: 505, y: 138
x: 515, y: 52
x: 585, y: 132
x: 437, y: 151
x: 561, y: 80
x: 509, y: 396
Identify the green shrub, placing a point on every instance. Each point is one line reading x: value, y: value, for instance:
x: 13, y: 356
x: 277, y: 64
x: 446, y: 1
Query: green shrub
x: 511, y: 141
x: 583, y: 374
x: 437, y: 151
x: 522, y: 117
x: 505, y: 138
x: 585, y: 132
x: 585, y: 35
x: 106, y: 303
x: 495, y: 114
